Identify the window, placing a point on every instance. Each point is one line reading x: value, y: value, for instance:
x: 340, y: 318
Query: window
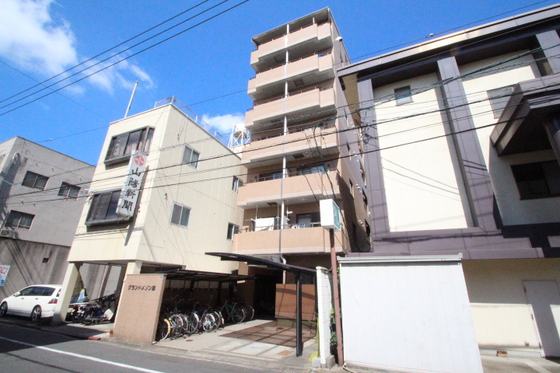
x: 18, y: 219
x: 499, y: 98
x: 312, y: 170
x: 270, y: 176
x: 537, y: 180
x: 180, y: 215
x: 103, y: 209
x: 403, y: 95
x: 237, y: 182
x: 190, y: 157
x: 33, y: 180
x: 68, y: 190
x: 308, y: 220
x: 122, y: 146
x: 231, y: 230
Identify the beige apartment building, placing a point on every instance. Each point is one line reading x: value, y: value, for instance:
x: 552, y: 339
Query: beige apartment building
x: 303, y: 148
x: 185, y: 188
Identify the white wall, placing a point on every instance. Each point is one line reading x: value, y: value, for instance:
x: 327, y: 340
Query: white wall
x: 407, y: 314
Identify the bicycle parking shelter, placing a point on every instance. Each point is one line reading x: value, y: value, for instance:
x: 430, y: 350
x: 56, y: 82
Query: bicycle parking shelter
x: 296, y: 270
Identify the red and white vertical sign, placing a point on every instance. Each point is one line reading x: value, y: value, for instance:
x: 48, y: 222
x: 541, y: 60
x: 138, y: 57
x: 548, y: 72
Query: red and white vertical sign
x: 132, y: 183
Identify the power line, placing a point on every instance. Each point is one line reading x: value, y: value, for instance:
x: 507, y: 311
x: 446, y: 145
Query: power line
x: 123, y: 59
x: 104, y: 52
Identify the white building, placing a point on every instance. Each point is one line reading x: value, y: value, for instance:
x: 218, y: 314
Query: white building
x: 186, y: 200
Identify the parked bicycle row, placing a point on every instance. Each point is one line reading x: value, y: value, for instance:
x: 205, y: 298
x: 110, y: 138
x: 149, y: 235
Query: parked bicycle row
x: 201, y: 319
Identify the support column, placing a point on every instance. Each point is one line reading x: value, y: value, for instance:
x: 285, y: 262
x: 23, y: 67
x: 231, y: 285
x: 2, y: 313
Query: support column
x: 550, y: 43
x: 479, y: 194
x: 133, y: 267
x: 68, y: 285
x: 377, y: 199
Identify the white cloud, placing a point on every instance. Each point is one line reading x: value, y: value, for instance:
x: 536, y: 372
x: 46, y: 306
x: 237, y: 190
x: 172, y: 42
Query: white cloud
x: 32, y: 39
x: 29, y: 37
x: 223, y: 123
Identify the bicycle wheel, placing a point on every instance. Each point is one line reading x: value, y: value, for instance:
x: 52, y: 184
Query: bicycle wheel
x: 219, y: 319
x: 163, y: 330
x: 238, y: 314
x: 208, y: 322
x: 176, y: 326
x: 194, y: 322
x: 250, y: 312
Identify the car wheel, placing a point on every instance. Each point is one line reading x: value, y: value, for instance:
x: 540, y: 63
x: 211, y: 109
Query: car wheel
x: 3, y: 309
x: 36, y: 314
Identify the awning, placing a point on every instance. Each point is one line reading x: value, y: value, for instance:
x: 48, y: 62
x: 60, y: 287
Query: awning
x: 249, y: 259
x: 185, y: 274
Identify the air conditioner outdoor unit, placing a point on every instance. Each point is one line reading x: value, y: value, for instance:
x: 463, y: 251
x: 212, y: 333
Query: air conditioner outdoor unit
x: 7, y: 233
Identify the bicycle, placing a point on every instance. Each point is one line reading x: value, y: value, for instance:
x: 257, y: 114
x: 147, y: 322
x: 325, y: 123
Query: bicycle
x: 234, y: 312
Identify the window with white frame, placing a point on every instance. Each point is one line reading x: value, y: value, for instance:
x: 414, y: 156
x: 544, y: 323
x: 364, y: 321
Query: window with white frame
x: 190, y: 156
x: 17, y: 219
x: 237, y: 182
x: 180, y: 215
x: 232, y: 229
x: 68, y: 190
x: 122, y: 146
x: 103, y: 209
x: 403, y: 95
x: 33, y: 180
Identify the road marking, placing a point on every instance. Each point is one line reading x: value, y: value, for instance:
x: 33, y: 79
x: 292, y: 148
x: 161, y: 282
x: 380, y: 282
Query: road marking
x: 84, y: 357
x: 537, y: 367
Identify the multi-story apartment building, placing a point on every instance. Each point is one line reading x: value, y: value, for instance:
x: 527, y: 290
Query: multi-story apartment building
x: 182, y: 185
x: 42, y: 193
x: 303, y: 147
x: 461, y: 142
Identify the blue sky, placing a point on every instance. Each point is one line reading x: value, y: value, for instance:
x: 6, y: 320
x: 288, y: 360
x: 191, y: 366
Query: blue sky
x: 207, y: 68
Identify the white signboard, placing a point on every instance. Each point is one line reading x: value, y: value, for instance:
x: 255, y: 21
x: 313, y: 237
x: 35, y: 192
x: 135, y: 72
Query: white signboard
x: 330, y: 214
x: 3, y: 274
x: 132, y: 183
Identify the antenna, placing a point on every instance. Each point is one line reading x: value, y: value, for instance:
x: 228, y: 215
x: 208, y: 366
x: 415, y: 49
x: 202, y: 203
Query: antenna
x: 131, y: 98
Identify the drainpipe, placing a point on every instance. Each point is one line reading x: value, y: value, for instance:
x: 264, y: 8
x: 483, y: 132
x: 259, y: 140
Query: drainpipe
x: 284, y: 166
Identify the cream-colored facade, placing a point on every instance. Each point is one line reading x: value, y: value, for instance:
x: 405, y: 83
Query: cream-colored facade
x: 186, y: 205
x: 303, y: 147
x: 463, y: 157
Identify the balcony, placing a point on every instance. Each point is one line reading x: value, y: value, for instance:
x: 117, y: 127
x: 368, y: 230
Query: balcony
x: 294, y: 241
x: 297, y: 189
x: 317, y: 36
x: 304, y: 102
x: 316, y: 67
x: 294, y: 144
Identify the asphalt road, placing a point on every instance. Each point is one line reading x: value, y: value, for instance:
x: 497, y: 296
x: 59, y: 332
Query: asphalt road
x: 29, y: 350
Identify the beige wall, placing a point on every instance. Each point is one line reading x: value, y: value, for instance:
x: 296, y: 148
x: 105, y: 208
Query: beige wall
x: 501, y: 312
x: 420, y: 182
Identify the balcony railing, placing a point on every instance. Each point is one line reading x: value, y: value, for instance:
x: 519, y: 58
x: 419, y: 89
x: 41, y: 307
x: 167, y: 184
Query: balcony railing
x: 294, y: 240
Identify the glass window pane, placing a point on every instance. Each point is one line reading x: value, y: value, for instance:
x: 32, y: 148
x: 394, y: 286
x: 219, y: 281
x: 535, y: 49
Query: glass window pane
x: 112, y: 208
x: 116, y: 149
x: 25, y: 221
x: 132, y: 143
x: 194, y: 159
x: 185, y: 216
x: 187, y: 155
x: 74, y: 191
x: 41, y: 182
x: 29, y: 179
x: 13, y: 219
x: 176, y: 215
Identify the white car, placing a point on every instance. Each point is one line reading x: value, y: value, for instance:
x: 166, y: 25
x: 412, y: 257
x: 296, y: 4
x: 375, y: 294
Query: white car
x: 35, y: 301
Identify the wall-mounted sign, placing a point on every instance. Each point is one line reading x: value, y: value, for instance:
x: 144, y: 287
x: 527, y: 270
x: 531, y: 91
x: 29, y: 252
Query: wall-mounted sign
x: 330, y: 214
x: 132, y: 183
x: 4, y: 269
